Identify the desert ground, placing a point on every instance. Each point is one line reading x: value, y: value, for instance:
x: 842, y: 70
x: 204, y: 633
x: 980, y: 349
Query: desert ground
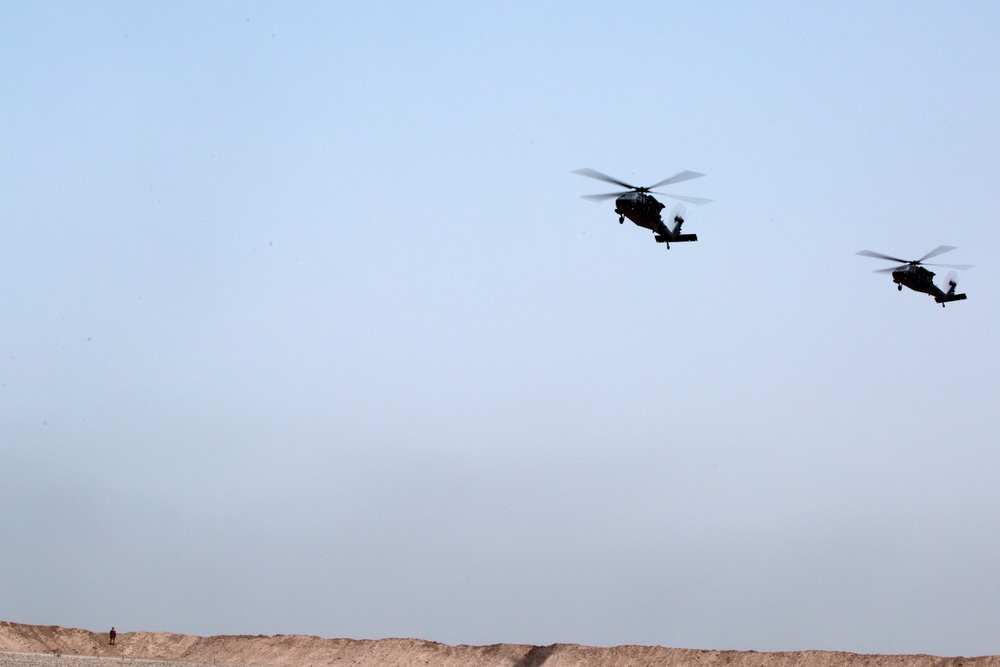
x: 24, y: 645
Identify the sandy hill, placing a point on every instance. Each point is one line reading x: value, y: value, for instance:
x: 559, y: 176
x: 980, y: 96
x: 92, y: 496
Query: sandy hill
x: 303, y: 651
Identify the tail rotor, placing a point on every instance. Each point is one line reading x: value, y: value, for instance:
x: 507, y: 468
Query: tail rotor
x: 678, y: 213
x: 952, y: 280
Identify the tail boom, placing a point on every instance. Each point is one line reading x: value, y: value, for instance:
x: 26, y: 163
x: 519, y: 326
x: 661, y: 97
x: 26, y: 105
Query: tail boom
x: 950, y: 297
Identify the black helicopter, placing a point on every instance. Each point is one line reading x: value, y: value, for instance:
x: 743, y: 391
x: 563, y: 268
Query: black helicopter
x: 912, y: 274
x: 641, y: 207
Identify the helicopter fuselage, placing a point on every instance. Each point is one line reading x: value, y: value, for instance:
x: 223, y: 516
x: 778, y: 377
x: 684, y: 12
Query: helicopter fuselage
x: 919, y: 279
x: 640, y: 208
x: 644, y: 210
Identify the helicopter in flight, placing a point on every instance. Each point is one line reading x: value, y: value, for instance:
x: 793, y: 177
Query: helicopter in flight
x: 912, y: 274
x: 640, y: 206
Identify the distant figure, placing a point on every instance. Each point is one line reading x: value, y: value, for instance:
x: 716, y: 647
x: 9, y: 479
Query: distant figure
x: 112, y: 635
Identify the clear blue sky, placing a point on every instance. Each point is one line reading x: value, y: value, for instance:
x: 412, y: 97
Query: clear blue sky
x: 306, y: 328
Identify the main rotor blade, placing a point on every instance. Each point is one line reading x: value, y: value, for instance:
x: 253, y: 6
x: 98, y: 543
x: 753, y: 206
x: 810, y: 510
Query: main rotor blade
x: 697, y: 201
x: 677, y: 178
x: 610, y: 195
x: 878, y: 255
x: 962, y: 267
x: 590, y: 173
x: 940, y: 250
x: 890, y: 269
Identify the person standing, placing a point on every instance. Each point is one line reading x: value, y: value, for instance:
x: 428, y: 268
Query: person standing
x: 112, y: 635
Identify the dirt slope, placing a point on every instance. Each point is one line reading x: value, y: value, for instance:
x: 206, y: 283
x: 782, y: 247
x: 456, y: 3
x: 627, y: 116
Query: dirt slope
x: 303, y: 651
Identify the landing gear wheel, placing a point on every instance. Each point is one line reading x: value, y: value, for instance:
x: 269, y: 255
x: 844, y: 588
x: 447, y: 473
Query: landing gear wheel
x: 899, y: 287
x: 621, y: 219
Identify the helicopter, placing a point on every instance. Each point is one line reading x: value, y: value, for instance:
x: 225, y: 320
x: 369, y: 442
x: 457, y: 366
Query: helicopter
x: 912, y: 274
x: 640, y: 206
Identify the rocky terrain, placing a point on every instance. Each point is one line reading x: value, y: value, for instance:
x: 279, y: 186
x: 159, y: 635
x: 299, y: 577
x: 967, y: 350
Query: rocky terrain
x: 50, y: 646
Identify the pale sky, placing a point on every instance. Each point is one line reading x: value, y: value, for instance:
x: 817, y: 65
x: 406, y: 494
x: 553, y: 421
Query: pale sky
x: 307, y: 328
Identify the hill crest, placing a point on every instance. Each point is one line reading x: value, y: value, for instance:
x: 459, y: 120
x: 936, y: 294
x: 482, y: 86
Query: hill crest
x: 302, y: 650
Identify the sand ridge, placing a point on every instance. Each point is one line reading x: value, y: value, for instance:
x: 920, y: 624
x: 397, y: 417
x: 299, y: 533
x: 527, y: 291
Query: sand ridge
x: 303, y: 651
